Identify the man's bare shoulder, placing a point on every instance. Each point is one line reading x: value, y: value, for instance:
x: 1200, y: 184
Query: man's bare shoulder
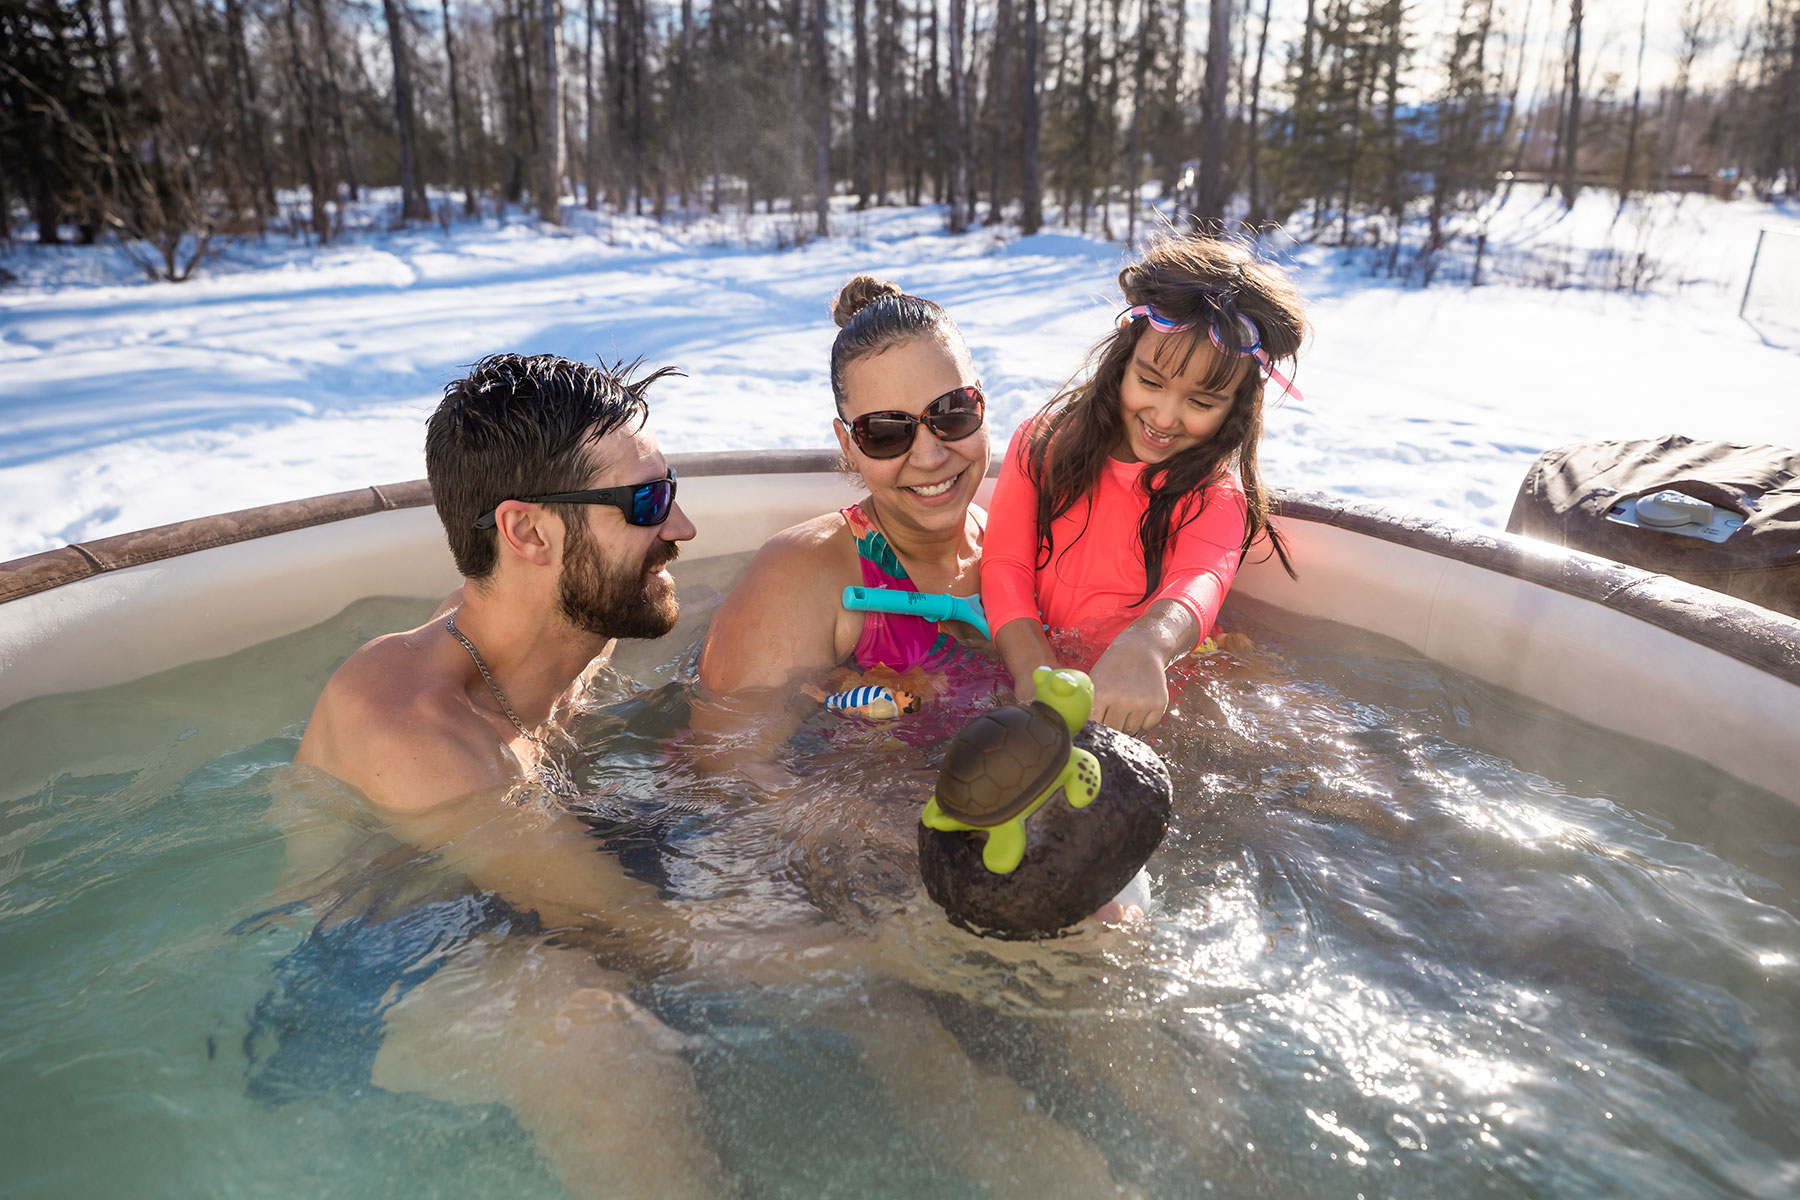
x: 395, y: 722
x: 393, y: 677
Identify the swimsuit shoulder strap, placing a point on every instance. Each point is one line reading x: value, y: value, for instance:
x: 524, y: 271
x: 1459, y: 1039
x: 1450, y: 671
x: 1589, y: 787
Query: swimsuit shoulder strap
x: 873, y: 549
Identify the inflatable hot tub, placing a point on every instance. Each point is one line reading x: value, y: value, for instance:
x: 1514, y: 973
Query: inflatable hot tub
x: 1638, y: 653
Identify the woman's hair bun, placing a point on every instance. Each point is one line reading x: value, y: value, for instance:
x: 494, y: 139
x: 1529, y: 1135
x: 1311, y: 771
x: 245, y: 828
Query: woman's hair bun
x: 858, y: 294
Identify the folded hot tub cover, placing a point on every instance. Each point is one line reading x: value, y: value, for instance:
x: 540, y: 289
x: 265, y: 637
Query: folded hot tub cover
x: 1567, y: 492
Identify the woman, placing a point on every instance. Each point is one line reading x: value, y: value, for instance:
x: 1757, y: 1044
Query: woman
x: 910, y: 422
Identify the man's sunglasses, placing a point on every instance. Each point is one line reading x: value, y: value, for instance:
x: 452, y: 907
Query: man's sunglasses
x: 642, y: 503
x: 952, y: 417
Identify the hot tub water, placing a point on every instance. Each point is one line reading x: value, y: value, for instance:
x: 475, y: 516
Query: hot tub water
x: 1411, y: 938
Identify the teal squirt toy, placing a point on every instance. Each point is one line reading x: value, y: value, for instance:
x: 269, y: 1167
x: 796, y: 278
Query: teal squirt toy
x: 1007, y: 763
x: 933, y: 606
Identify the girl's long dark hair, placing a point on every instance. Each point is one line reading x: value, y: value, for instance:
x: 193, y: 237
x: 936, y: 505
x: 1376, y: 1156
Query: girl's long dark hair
x: 1208, y: 282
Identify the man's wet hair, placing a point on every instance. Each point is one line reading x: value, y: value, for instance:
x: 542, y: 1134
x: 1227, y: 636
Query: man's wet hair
x: 520, y: 425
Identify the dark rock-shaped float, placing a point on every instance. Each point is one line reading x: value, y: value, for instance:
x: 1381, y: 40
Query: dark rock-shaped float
x: 1079, y: 846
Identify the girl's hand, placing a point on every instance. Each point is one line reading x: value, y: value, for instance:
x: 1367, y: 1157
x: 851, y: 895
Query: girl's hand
x: 1024, y: 648
x: 1131, y: 693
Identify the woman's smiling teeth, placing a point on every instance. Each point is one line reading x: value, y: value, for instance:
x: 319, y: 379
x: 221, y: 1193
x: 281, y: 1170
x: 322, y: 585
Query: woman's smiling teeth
x: 934, y: 489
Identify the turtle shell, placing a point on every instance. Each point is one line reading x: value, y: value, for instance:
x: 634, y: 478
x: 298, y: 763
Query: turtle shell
x: 1001, y: 761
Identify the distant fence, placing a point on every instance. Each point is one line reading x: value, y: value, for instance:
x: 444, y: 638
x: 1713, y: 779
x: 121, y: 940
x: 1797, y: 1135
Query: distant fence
x: 1674, y: 181
x: 1772, y: 292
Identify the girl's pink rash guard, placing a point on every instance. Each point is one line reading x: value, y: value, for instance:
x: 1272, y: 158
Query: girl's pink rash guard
x: 1096, y: 571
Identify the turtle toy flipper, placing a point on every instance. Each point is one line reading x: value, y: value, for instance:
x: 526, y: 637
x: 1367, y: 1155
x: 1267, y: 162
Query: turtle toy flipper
x: 1007, y: 843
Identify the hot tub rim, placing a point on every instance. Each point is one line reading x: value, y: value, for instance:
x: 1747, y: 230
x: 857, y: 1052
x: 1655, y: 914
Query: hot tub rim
x: 1748, y: 633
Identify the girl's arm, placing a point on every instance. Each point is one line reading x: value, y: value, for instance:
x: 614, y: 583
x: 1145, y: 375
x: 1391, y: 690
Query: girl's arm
x: 1024, y: 648
x: 1009, y: 571
x: 1131, y: 689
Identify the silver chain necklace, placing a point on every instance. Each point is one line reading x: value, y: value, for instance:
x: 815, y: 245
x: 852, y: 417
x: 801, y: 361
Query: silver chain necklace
x: 554, y: 776
x: 450, y: 624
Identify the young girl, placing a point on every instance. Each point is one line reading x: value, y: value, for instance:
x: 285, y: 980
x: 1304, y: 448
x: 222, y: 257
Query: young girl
x: 1126, y: 505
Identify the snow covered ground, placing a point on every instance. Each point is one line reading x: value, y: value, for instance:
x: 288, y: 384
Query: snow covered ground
x: 284, y: 371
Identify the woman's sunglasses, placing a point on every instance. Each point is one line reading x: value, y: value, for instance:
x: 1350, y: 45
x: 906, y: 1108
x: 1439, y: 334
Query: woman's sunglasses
x: 642, y: 503
x: 952, y: 417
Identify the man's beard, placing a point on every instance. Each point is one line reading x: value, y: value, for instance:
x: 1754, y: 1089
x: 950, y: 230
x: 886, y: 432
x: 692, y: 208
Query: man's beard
x: 615, y: 599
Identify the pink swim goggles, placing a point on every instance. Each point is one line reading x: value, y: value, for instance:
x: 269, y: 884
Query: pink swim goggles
x: 1249, y: 339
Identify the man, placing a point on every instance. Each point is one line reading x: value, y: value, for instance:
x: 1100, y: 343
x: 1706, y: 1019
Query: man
x: 560, y: 512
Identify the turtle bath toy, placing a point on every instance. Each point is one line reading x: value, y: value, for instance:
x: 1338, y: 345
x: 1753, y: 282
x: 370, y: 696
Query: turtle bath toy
x: 1006, y: 763
x: 1039, y: 817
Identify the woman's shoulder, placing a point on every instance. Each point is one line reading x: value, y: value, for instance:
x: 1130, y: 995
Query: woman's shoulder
x: 782, y: 614
x: 819, y: 543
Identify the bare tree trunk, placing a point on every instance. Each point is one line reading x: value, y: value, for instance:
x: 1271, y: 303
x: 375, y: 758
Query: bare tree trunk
x: 822, y: 79
x: 46, y: 210
x: 1781, y: 84
x: 456, y: 126
x: 590, y: 174
x: 915, y: 117
x: 681, y: 120
x: 1258, y: 212
x: 1172, y: 101
x: 251, y: 135
x: 859, y: 100
x: 1001, y: 106
x: 1134, y: 174
x: 1357, y: 82
x: 1031, y: 210
x: 111, y: 47
x: 1209, y: 206
x: 628, y: 89
x: 1089, y: 110
x: 1305, y: 103
x: 511, y: 30
x: 334, y: 100
x: 887, y: 113
x: 1523, y: 126
x: 530, y: 154
x: 1631, y: 133
x: 1109, y: 100
x: 1696, y: 21
x: 640, y: 152
x: 144, y: 65
x: 797, y: 81
x: 1394, y: 18
x: 961, y: 204
x: 309, y: 158
x: 621, y: 100
x: 933, y: 100
x: 550, y: 166
x: 412, y: 197
x: 1571, y: 142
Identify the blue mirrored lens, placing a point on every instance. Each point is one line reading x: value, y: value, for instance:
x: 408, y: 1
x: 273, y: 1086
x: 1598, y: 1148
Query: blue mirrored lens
x: 651, y: 502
